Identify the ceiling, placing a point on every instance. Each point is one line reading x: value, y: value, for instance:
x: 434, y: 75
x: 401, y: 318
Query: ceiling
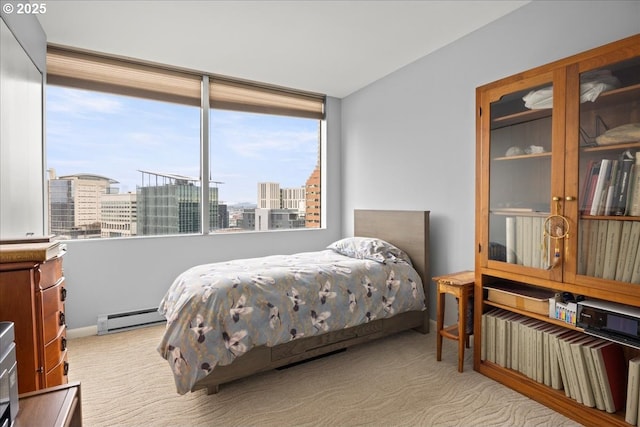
x: 330, y: 47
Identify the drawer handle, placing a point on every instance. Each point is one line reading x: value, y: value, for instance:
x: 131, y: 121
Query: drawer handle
x: 61, y: 322
x: 63, y: 294
x: 66, y: 368
x: 63, y: 344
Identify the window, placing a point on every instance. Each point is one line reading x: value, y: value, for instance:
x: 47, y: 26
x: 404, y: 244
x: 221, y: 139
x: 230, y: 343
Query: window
x: 264, y: 163
x: 129, y: 143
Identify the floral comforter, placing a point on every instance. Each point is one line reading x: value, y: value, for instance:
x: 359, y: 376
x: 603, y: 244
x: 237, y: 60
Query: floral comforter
x: 216, y: 312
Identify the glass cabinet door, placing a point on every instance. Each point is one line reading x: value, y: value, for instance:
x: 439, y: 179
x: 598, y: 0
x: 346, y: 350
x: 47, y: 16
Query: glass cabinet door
x: 522, y: 178
x: 608, y: 138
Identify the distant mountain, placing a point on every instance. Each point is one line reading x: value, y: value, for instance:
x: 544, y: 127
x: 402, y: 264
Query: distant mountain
x: 242, y: 205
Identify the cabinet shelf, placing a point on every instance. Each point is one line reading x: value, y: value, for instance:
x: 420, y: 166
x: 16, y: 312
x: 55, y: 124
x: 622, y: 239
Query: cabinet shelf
x: 613, y: 97
x: 612, y: 147
x: 520, y: 117
x: 611, y: 217
x: 533, y: 315
x: 524, y: 156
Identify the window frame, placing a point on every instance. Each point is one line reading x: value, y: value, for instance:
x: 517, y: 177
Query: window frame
x: 81, y: 69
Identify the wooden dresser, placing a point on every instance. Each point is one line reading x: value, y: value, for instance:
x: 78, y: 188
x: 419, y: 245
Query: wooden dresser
x: 32, y: 295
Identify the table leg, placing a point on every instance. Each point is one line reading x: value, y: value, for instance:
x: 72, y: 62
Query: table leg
x: 440, y: 323
x: 462, y: 328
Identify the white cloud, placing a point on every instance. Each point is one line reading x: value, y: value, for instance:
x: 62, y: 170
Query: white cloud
x: 79, y: 102
x: 257, y: 144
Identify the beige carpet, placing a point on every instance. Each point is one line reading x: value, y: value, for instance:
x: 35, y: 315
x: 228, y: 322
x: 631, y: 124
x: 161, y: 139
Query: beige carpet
x: 395, y: 381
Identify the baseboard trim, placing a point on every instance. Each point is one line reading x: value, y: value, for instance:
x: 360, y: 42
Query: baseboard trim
x: 87, y: 331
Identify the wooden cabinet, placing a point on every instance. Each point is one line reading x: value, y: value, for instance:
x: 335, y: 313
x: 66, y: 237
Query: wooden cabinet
x: 541, y: 135
x: 32, y: 295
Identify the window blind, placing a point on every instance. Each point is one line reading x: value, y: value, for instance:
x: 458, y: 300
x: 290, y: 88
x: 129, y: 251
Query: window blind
x: 83, y: 70
x: 229, y: 94
x: 94, y: 72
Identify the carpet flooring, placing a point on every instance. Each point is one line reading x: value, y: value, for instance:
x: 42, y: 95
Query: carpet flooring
x: 394, y: 381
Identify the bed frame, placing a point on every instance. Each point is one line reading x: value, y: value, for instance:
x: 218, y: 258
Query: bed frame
x: 408, y: 230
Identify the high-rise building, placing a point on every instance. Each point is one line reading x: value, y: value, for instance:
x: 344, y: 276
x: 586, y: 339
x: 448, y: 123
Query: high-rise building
x: 293, y: 199
x: 119, y: 215
x: 313, y: 193
x: 223, y: 217
x: 278, y: 208
x: 170, y: 204
x: 75, y: 204
x: 277, y: 219
x: 269, y: 195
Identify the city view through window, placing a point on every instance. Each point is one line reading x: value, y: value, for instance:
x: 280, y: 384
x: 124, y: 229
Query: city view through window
x: 121, y: 166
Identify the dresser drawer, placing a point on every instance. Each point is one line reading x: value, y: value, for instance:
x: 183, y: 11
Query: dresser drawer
x: 53, y: 318
x: 48, y: 273
x: 58, y: 374
x: 55, y: 351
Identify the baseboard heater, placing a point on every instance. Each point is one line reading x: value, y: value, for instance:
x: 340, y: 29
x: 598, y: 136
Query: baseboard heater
x: 117, y: 322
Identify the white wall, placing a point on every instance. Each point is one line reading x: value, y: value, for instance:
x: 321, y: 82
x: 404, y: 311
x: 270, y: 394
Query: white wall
x: 107, y: 276
x: 408, y: 140
x: 23, y: 47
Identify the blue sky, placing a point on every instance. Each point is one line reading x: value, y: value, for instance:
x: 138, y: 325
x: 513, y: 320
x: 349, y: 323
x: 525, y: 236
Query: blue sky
x: 114, y: 136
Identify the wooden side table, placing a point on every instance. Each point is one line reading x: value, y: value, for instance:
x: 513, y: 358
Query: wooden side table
x: 459, y: 285
x: 59, y: 406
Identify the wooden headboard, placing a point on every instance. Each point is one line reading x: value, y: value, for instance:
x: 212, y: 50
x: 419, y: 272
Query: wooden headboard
x: 408, y: 230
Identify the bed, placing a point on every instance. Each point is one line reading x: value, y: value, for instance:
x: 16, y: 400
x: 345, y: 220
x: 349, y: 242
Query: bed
x: 229, y: 320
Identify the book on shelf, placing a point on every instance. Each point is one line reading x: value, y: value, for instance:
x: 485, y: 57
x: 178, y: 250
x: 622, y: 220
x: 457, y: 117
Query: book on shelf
x: 514, y: 330
x: 519, y: 242
x: 583, y: 245
x: 526, y: 354
x: 544, y: 364
x: 600, y: 192
x: 633, y: 385
x: 635, y: 276
x: 564, y: 375
x: 625, y: 237
x: 632, y: 252
x: 511, y: 240
x: 527, y: 243
x: 40, y: 251
x: 634, y: 192
x: 567, y: 358
x: 593, y: 376
x: 490, y: 332
x: 590, y: 181
x: 582, y: 373
x: 611, y: 188
x: 611, y: 369
x: 483, y: 343
x: 601, y: 246
x: 592, y: 248
x: 555, y: 367
x: 612, y: 247
x: 536, y: 242
x: 503, y: 338
x: 623, y: 184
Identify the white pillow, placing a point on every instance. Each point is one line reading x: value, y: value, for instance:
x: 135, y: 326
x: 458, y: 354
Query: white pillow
x: 370, y: 248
